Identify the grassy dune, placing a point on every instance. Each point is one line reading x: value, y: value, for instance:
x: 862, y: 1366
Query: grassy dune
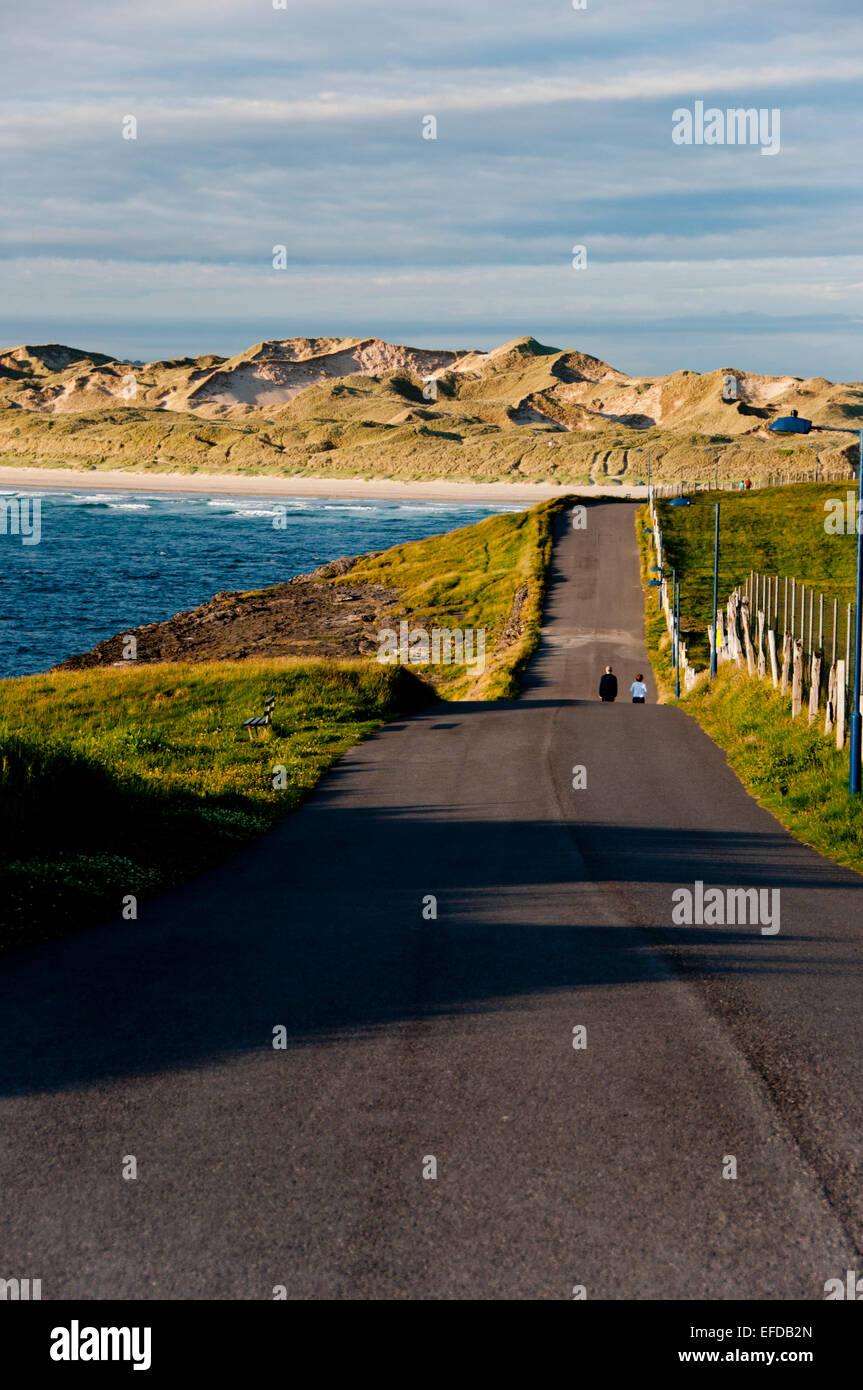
x: 391, y: 437
x: 363, y: 408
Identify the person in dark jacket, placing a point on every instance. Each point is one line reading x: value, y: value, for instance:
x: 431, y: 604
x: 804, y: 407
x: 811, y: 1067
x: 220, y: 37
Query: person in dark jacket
x: 608, y: 686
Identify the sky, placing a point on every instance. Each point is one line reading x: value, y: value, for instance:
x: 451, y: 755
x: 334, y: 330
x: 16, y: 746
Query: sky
x: 303, y: 127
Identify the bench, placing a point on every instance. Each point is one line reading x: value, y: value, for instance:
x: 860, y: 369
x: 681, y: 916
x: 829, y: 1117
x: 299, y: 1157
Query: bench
x: 261, y: 721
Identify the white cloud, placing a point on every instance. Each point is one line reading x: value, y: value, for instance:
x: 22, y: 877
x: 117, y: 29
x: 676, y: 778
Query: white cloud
x: 615, y: 290
x: 413, y: 94
x: 258, y: 126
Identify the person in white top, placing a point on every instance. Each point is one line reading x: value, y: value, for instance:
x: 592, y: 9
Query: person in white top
x: 638, y: 690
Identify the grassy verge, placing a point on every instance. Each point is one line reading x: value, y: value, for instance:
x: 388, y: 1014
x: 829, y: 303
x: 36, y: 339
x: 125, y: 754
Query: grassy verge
x: 778, y: 531
x: 791, y: 768
x: 656, y: 635
x: 124, y: 782
x: 487, y: 577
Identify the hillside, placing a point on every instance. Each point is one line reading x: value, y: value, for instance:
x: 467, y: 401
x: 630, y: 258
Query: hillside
x: 360, y: 406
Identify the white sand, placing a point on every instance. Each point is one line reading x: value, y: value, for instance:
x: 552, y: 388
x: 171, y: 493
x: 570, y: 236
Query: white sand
x: 441, y: 490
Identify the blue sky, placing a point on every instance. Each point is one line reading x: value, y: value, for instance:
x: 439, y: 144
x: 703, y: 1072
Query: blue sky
x: 303, y: 127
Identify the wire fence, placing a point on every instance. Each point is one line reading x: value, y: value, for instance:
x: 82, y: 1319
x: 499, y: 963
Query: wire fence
x: 781, y: 629
x: 820, y: 621
x: 681, y: 488
x: 790, y: 659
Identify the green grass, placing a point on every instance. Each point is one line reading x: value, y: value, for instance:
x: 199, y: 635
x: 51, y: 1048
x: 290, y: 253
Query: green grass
x: 794, y: 770
x: 469, y: 578
x: 124, y: 782
x: 656, y: 635
x: 117, y: 782
x: 777, y: 531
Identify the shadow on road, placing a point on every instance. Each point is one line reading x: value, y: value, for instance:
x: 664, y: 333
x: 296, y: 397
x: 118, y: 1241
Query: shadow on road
x: 304, y: 930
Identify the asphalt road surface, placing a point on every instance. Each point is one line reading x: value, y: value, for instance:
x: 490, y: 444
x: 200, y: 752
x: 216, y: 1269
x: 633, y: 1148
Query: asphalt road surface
x: 411, y: 1039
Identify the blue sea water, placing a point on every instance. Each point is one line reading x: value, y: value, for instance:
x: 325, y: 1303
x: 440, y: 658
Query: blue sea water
x: 109, y: 561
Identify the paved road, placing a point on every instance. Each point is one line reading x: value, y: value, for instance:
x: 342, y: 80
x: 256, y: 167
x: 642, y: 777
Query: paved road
x: 407, y: 1038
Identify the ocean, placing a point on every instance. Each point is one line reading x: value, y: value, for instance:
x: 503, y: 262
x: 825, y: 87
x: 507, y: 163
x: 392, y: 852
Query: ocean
x: 106, y: 562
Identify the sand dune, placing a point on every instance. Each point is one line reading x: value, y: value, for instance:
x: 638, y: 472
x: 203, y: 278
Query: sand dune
x: 364, y: 406
x: 533, y: 383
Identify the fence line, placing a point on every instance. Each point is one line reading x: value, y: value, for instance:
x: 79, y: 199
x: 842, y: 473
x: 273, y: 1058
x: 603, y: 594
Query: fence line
x: 843, y: 473
x: 788, y: 643
x: 791, y: 605
x: 798, y: 663
x: 688, y: 673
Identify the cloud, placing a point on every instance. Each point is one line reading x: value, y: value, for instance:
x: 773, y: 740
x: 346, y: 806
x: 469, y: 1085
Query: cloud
x: 412, y: 94
x: 303, y: 127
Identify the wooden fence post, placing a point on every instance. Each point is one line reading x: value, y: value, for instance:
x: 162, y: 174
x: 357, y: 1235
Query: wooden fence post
x: 732, y: 629
x: 747, y: 641
x: 786, y: 663
x: 830, y: 713
x: 771, y: 649
x: 762, y: 665
x: 840, y: 705
x: 814, y: 686
x: 797, y: 679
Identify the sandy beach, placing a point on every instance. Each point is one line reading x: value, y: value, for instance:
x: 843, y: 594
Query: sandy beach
x: 441, y: 490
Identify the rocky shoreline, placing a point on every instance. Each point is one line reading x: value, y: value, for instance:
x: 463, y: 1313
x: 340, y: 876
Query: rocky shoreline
x: 307, y: 616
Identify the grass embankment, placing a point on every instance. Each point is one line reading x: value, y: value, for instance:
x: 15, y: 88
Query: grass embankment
x: 792, y: 768
x: 777, y: 531
x: 490, y: 577
x: 125, y: 781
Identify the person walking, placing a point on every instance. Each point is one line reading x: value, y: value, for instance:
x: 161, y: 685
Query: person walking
x: 638, y: 690
x: 608, y: 687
